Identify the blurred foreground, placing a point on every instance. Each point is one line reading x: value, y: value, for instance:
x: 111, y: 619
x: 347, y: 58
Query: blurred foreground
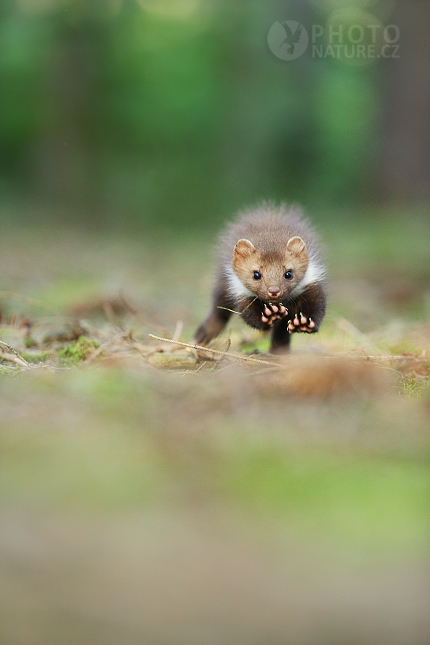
x: 235, y: 503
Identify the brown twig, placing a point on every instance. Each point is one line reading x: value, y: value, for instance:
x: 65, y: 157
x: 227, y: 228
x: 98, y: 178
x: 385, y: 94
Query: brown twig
x: 22, y: 360
x: 12, y: 359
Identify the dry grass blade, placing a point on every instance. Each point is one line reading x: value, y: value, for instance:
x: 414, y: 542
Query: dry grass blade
x: 178, y: 330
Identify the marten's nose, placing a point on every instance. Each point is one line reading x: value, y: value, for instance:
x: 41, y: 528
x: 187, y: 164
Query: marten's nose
x: 274, y: 291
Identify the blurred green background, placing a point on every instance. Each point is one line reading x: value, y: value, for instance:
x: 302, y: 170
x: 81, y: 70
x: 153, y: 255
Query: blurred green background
x: 176, y: 112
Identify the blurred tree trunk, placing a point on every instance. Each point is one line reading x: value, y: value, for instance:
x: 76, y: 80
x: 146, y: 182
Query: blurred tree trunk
x: 65, y: 165
x: 406, y: 129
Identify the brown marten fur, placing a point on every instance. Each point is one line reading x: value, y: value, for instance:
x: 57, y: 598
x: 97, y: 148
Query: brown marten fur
x: 270, y: 271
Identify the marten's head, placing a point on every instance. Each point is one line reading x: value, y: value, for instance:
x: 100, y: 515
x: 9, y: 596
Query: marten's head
x: 273, y: 275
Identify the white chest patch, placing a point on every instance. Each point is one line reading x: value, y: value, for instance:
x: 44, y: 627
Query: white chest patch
x: 235, y: 286
x: 314, y: 273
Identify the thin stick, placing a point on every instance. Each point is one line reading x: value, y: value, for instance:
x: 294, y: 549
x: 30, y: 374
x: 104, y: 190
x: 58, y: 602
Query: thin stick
x: 11, y: 349
x: 389, y: 357
x: 256, y: 360
x: 217, y: 351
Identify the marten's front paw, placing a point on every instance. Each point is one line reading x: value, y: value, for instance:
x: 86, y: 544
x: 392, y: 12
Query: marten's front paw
x: 272, y: 313
x: 301, y: 324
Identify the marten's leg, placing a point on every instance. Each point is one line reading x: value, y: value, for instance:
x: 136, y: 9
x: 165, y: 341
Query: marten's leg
x: 266, y: 317
x: 280, y: 338
x: 213, y: 325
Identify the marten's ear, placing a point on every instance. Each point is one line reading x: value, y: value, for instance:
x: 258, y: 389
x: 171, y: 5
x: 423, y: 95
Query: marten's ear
x: 243, y: 249
x: 297, y: 247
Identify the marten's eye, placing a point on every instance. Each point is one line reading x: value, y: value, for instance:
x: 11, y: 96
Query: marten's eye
x: 288, y: 275
x: 257, y: 275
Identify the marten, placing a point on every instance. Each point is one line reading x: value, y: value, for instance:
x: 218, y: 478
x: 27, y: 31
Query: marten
x: 270, y: 272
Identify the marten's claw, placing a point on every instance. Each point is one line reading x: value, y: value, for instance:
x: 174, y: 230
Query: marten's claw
x: 272, y: 313
x: 301, y: 324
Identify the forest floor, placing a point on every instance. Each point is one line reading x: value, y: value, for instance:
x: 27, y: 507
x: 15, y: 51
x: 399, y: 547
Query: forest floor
x: 146, y: 496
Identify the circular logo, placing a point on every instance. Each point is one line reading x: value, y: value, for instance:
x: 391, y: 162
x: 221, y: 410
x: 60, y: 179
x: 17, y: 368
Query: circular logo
x: 287, y: 40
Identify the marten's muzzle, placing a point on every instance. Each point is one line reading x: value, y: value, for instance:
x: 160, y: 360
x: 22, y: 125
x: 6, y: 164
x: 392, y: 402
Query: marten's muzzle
x: 274, y: 292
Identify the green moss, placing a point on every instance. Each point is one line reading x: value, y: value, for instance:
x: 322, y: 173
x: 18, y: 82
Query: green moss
x: 413, y: 387
x: 29, y: 342
x: 40, y: 357
x: 77, y: 351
